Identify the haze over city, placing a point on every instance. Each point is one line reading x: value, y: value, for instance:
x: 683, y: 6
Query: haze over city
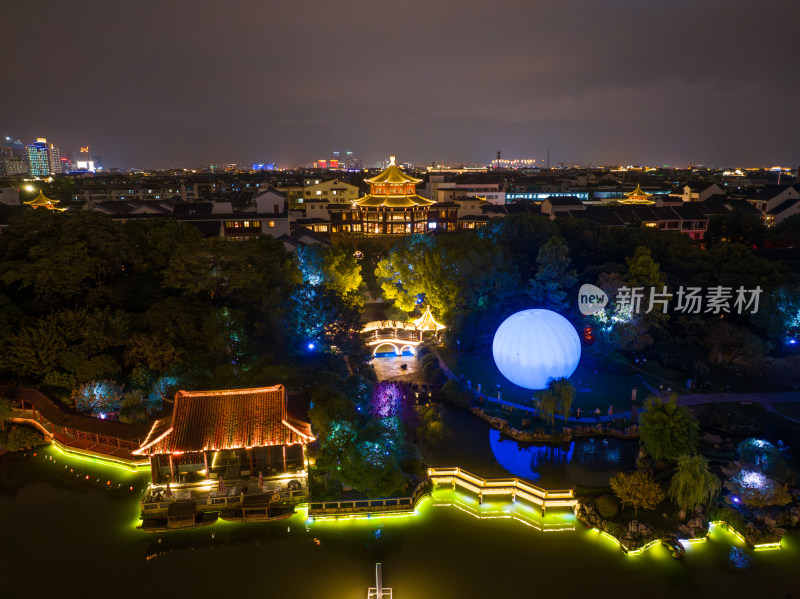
x: 192, y: 83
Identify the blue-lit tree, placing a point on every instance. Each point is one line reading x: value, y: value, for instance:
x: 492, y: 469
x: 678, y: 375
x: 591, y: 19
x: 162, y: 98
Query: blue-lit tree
x: 98, y: 397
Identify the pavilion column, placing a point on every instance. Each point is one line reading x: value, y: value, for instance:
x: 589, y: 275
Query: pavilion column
x: 250, y: 459
x: 155, y: 474
x: 205, y: 461
x: 171, y: 469
x: 284, y: 458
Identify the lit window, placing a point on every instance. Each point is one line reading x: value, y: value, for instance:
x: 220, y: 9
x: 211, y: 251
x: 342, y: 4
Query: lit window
x: 271, y: 224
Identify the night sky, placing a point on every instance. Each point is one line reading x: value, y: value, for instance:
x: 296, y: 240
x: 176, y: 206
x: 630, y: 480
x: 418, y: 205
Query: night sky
x: 185, y: 83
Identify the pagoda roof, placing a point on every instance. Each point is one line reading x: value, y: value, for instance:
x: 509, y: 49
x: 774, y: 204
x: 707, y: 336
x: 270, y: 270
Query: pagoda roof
x: 399, y: 201
x: 393, y: 176
x: 227, y: 419
x: 426, y: 322
x: 41, y: 201
x: 638, y: 193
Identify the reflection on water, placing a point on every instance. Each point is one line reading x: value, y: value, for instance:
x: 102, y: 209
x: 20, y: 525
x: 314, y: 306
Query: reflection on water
x: 62, y: 530
x: 739, y: 559
x: 584, y: 461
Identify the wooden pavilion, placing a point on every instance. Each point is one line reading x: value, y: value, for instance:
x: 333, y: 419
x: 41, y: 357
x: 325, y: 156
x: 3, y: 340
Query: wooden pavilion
x: 228, y: 434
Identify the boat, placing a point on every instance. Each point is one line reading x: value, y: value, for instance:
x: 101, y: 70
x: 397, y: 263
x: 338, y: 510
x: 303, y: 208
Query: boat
x: 197, y: 520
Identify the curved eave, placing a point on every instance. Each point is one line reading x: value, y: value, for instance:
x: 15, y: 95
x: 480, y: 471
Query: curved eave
x: 392, y: 176
x: 409, y: 201
x: 638, y: 193
x: 41, y: 201
x: 638, y: 201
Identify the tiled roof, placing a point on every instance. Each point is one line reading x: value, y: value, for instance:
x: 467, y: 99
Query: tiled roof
x: 404, y: 201
x: 393, y: 176
x: 228, y: 419
x: 783, y: 206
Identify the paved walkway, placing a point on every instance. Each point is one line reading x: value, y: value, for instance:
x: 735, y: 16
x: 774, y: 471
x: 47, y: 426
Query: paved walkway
x: 765, y: 399
x: 586, y: 417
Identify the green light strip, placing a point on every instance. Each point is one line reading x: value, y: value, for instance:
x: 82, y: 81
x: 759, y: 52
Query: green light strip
x: 135, y: 468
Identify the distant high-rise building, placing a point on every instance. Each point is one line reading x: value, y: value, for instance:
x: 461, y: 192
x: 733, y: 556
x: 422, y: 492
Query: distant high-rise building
x: 43, y: 159
x: 54, y: 156
x: 351, y: 163
x: 39, y: 158
x: 13, y: 158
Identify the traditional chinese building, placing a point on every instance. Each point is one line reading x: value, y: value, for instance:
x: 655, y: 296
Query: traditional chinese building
x: 42, y: 201
x: 229, y: 434
x: 638, y: 196
x: 392, y: 207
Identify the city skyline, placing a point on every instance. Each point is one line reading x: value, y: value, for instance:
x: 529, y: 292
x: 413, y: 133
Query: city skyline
x: 629, y: 84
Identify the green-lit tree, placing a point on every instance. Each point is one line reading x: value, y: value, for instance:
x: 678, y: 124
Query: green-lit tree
x: 693, y: 484
x: 637, y: 489
x: 667, y: 430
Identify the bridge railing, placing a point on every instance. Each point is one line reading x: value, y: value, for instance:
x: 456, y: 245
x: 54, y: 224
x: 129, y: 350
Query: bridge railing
x: 389, y: 324
x: 370, y: 506
x: 503, y: 486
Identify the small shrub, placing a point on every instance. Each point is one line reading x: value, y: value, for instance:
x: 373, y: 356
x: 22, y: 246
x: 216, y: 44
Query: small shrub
x: 429, y: 359
x: 615, y: 529
x: 452, y: 389
x: 22, y: 437
x: 438, y: 377
x: 607, y: 506
x: 427, y: 371
x: 423, y: 351
x: 464, y: 399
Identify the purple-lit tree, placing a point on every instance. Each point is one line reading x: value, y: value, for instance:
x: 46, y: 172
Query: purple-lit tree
x: 394, y: 399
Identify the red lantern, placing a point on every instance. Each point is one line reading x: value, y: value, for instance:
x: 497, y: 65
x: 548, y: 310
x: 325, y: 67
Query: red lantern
x: 588, y: 335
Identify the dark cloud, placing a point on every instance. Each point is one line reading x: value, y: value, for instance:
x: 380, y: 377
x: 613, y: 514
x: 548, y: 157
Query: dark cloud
x: 622, y: 81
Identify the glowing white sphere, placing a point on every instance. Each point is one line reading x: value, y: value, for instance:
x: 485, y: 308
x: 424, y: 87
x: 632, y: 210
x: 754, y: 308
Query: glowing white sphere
x: 535, y: 345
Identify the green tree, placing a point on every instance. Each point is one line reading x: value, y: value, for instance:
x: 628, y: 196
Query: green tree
x: 637, y: 489
x: 693, y: 484
x: 553, y: 277
x: 737, y: 226
x: 6, y: 412
x: 23, y: 437
x: 667, y: 430
x: 460, y: 275
x: 556, y: 399
x: 643, y: 271
x: 520, y: 235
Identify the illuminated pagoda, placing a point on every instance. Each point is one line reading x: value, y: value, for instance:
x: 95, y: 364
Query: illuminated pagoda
x: 392, y: 207
x: 638, y: 196
x: 427, y: 322
x: 42, y: 201
x: 229, y: 434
